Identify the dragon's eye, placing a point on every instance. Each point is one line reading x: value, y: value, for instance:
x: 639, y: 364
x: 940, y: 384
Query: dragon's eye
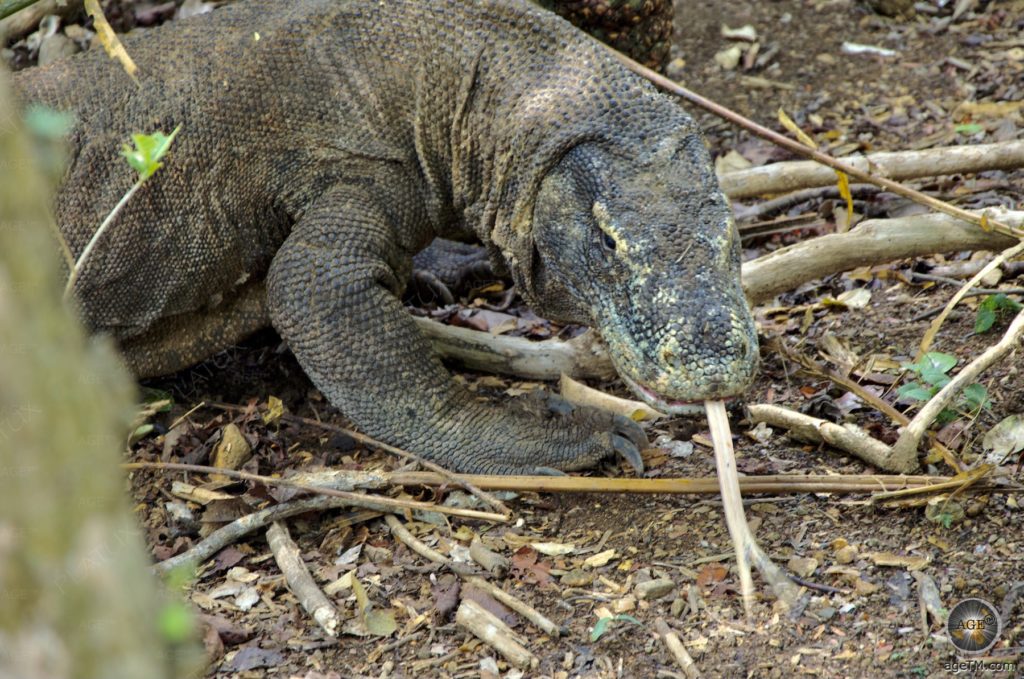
x: 607, y: 241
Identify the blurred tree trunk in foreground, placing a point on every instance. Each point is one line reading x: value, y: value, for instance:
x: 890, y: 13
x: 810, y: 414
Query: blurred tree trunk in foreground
x: 76, y: 597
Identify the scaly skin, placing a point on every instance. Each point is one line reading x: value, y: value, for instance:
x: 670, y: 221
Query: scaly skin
x: 324, y: 142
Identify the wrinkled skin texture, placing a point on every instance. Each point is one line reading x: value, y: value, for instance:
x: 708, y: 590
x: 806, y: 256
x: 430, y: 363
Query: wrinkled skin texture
x: 316, y: 159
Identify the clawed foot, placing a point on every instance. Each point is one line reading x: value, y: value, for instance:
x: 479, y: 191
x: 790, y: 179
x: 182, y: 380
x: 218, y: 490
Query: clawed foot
x: 608, y: 433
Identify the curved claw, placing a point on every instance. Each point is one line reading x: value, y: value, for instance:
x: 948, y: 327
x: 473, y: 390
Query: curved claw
x: 631, y: 430
x: 428, y: 281
x: 629, y: 452
x: 548, y: 471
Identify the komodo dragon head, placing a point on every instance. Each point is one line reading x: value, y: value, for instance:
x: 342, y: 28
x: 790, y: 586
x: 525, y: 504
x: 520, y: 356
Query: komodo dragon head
x: 633, y: 237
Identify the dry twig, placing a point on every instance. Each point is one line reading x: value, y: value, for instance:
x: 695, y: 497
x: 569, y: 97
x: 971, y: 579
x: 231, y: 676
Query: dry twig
x: 487, y: 498
x: 489, y: 629
x: 676, y: 648
x: 933, y: 329
x: 402, y: 534
x: 375, y: 502
x: 848, y: 437
x: 896, y: 165
x: 300, y: 581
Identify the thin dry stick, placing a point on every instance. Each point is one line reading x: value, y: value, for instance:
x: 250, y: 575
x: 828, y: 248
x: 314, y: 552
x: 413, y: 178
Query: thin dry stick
x: 747, y: 550
x: 957, y: 484
x: 300, y: 581
x: 770, y: 484
x: 375, y: 502
x: 801, y: 150
x: 908, y: 441
x: 380, y: 445
x: 236, y: 530
x: 676, y: 648
x: 933, y: 329
x: 402, y: 534
x: 492, y: 631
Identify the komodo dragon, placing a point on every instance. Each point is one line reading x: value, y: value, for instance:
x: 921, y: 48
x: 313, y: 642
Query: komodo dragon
x: 324, y: 142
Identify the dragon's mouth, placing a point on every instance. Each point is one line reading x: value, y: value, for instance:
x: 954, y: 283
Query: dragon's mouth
x: 665, y: 405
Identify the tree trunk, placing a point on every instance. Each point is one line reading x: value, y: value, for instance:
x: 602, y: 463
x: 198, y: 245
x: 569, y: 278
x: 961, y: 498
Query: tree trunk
x: 77, y: 598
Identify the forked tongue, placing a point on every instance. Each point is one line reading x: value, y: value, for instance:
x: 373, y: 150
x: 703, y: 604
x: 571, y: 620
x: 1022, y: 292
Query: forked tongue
x: 747, y: 550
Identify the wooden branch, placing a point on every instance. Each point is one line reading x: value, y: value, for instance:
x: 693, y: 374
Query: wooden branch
x: 580, y: 357
x: 236, y: 530
x: 402, y: 534
x: 872, y: 242
x: 898, y: 165
x: 849, y: 438
x: 772, y: 484
x: 906, y: 445
x: 375, y: 502
x: 676, y: 648
x: 300, y: 581
x: 489, y: 629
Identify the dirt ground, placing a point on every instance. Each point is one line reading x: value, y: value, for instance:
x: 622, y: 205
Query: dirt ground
x: 863, y: 617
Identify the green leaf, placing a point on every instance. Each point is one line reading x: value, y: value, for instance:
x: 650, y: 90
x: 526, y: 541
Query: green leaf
x: 976, y: 396
x: 969, y: 128
x: 991, y: 308
x: 149, y: 150
x: 915, y: 391
x: 940, y: 361
x: 985, y: 318
x: 602, y: 625
x: 935, y: 377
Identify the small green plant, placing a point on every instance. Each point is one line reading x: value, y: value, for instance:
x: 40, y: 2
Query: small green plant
x: 145, y: 159
x: 991, y: 308
x: 933, y: 371
x: 603, y: 624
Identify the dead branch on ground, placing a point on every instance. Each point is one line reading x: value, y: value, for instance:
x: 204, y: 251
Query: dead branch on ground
x: 895, y: 165
x: 300, y: 581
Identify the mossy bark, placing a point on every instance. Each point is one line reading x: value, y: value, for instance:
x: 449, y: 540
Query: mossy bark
x: 76, y: 597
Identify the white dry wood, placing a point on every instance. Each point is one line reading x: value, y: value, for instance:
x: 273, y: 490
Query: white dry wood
x: 897, y: 165
x: 848, y: 437
x: 581, y: 357
x: 403, y: 534
x: 676, y: 648
x: 875, y: 241
x: 300, y: 581
x: 486, y: 627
